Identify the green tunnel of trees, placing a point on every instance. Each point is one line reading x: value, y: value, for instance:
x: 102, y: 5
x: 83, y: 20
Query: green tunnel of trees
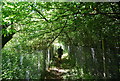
x: 89, y: 33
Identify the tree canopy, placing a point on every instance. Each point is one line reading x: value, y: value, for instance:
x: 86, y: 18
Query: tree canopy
x: 29, y: 25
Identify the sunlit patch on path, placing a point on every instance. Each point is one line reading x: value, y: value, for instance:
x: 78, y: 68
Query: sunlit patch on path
x: 56, y: 73
x: 59, y: 70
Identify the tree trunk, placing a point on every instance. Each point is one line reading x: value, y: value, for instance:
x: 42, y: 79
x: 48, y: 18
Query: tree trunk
x: 104, y: 63
x: 5, y: 39
x: 44, y: 64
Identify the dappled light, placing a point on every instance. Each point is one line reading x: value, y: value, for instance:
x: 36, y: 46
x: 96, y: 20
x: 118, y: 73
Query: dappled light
x: 65, y: 41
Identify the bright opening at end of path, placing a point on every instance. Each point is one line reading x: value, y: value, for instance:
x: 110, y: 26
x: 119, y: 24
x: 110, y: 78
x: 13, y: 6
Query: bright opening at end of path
x: 57, y: 45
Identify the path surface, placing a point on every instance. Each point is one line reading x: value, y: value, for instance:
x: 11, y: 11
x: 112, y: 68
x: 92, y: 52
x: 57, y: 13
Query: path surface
x: 56, y: 73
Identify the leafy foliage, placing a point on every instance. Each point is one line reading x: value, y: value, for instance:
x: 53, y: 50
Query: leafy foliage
x: 90, y: 30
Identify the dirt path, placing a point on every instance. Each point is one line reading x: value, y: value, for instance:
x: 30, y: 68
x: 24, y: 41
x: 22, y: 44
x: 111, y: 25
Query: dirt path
x: 58, y: 70
x: 56, y: 73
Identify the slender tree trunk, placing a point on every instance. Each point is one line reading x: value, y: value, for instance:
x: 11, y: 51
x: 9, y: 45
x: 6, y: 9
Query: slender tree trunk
x: 39, y: 52
x: 48, y: 59
x: 104, y: 64
x: 44, y: 64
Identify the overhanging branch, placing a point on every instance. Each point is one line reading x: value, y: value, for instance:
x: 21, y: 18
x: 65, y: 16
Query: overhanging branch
x: 58, y: 34
x: 39, y: 13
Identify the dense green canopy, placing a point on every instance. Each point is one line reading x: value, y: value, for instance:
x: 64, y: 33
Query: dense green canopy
x: 29, y: 26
